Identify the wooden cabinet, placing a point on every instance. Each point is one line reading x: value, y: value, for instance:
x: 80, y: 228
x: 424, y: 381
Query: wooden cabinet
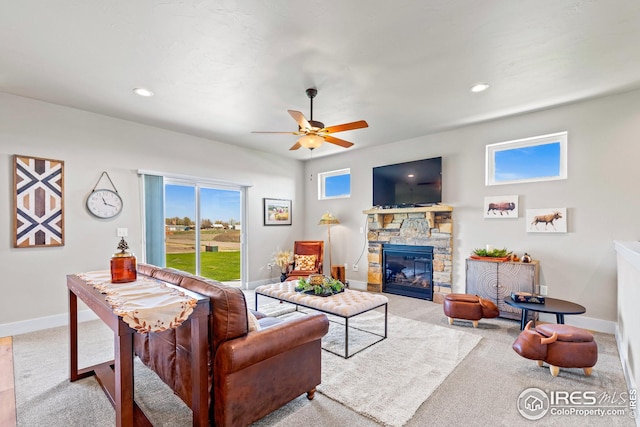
x: 496, y: 280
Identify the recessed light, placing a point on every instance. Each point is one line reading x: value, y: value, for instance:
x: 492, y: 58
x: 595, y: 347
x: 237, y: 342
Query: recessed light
x: 479, y: 87
x: 143, y: 91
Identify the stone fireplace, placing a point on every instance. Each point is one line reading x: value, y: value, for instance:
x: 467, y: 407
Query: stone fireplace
x: 416, y: 228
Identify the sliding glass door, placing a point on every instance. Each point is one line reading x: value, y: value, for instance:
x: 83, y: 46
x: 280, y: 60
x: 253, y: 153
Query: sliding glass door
x: 203, y: 230
x: 181, y: 233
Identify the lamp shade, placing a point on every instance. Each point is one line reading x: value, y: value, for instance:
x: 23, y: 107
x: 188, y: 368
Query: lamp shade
x: 311, y: 141
x: 328, y: 219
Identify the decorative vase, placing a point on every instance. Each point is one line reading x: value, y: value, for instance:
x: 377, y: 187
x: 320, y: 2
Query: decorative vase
x: 283, y: 277
x: 123, y: 265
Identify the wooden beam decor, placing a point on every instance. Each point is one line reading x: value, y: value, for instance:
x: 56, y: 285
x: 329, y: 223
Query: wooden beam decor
x: 38, y: 202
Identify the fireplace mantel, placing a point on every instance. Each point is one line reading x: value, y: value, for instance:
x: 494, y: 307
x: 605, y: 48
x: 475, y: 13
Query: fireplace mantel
x: 429, y: 211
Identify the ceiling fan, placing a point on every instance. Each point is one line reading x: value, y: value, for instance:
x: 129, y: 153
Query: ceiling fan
x: 314, y: 133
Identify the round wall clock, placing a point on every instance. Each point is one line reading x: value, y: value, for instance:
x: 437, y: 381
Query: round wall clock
x: 104, y: 203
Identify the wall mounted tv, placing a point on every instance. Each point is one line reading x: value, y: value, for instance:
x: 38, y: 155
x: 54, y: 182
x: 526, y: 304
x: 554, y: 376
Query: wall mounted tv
x: 416, y: 183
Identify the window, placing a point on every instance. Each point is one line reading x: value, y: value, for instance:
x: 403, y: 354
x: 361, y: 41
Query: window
x: 195, y: 225
x: 540, y: 158
x: 334, y: 184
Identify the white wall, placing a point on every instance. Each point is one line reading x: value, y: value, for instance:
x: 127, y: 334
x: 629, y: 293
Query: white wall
x: 33, y: 279
x: 601, y: 195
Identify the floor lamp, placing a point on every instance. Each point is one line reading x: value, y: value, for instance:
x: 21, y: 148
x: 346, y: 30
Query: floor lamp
x: 328, y: 219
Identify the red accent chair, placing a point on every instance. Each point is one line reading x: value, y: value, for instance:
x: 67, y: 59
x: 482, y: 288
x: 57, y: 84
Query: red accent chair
x: 307, y: 259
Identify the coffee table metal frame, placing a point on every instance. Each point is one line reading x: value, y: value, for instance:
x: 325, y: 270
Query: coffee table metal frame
x: 346, y: 354
x: 555, y: 306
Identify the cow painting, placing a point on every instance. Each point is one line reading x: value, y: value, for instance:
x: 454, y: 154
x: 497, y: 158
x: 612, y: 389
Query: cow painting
x: 546, y: 219
x: 501, y: 207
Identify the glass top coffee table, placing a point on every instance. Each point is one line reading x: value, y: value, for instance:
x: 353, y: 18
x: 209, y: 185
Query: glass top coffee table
x: 555, y: 306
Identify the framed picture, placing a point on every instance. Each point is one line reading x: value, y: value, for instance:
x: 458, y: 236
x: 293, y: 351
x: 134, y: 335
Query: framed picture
x: 38, y: 202
x: 277, y: 212
x: 501, y: 207
x: 549, y: 220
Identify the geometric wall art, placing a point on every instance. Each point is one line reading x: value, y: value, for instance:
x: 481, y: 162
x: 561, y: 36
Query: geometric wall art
x: 38, y: 201
x: 549, y: 220
x: 501, y: 207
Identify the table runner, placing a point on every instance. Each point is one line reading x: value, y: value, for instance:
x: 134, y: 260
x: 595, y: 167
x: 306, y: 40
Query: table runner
x: 146, y: 305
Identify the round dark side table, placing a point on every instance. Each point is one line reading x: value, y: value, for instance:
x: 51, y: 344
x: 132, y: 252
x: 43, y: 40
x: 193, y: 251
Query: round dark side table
x: 555, y: 306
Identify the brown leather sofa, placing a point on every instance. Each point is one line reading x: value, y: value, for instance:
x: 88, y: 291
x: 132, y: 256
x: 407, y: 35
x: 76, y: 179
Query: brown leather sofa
x: 251, y: 373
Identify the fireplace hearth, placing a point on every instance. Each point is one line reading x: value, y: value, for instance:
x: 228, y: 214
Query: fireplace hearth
x: 408, y: 270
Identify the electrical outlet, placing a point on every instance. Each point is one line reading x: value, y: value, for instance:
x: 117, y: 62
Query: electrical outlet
x: 355, y: 267
x: 543, y: 290
x: 122, y: 232
x: 361, y: 230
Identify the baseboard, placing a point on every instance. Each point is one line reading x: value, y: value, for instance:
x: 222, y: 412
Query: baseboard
x: 357, y: 285
x: 626, y: 368
x: 32, y: 325
x: 252, y: 285
x: 598, y: 325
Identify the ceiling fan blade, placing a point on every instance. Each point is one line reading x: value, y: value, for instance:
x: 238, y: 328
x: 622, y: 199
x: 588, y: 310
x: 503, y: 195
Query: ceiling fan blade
x: 338, y: 141
x: 295, y: 146
x: 346, y: 126
x: 299, y: 118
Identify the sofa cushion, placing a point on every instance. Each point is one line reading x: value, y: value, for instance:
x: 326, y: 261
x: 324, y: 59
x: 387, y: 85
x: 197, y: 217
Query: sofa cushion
x: 254, y: 325
x: 305, y: 262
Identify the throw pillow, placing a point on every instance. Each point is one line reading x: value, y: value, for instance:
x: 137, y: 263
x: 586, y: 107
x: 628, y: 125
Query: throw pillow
x: 305, y: 262
x: 254, y: 325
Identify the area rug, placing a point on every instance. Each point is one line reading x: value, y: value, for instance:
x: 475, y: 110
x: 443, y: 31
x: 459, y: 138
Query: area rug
x: 389, y: 380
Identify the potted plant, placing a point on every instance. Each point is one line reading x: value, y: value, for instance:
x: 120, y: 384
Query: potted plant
x: 491, y: 255
x: 319, y: 285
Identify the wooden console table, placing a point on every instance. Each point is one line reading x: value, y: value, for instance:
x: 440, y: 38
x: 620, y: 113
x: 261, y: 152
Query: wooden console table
x: 116, y: 376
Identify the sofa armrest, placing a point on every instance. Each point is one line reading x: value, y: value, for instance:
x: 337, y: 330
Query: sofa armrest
x: 237, y: 354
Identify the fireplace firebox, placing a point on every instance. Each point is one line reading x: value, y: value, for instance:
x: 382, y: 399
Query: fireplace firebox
x: 408, y: 270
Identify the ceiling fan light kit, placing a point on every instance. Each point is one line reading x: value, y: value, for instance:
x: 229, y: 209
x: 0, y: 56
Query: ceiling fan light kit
x: 311, y: 141
x: 315, y: 133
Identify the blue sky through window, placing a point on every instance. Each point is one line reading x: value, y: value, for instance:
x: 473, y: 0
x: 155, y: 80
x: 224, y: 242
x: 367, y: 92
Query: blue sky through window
x: 536, y: 161
x: 215, y: 204
x: 337, y: 185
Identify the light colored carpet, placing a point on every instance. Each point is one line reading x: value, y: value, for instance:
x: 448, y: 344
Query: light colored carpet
x: 482, y: 390
x: 388, y: 381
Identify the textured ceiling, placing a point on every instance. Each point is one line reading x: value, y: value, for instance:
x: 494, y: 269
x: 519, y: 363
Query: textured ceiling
x: 222, y: 69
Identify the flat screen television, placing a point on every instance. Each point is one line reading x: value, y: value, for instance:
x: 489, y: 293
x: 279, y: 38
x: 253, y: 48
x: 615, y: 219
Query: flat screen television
x: 416, y: 183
